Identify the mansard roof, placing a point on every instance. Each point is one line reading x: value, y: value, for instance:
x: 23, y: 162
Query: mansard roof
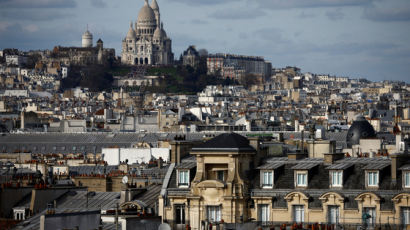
x: 226, y: 141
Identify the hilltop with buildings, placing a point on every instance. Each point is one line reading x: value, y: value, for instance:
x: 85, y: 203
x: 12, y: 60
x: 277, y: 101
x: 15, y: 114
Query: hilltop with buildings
x: 91, y: 140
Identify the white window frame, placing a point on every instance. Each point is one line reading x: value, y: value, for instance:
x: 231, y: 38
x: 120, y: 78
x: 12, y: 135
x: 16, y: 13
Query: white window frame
x: 406, y: 179
x: 297, y: 182
x: 333, y: 219
x: 373, y: 178
x: 405, y: 215
x: 338, y: 175
x: 267, y: 182
x: 263, y: 212
x: 298, y: 209
x: 183, y: 182
x: 214, y: 213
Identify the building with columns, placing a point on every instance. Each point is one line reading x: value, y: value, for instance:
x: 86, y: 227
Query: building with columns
x: 230, y: 181
x: 146, y: 42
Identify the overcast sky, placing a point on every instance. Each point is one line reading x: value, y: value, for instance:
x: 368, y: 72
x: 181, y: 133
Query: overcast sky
x: 356, y: 38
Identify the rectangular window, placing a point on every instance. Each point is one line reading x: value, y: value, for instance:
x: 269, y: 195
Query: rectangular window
x: 180, y: 214
x: 267, y: 179
x: 372, y: 178
x: 405, y: 215
x: 263, y: 212
x: 183, y: 178
x: 407, y: 179
x: 298, y: 213
x: 301, y: 179
x: 337, y: 178
x: 369, y: 216
x: 333, y: 214
x: 214, y: 213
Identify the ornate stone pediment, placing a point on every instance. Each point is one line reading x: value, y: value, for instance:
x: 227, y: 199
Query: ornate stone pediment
x: 296, y: 195
x: 331, y: 197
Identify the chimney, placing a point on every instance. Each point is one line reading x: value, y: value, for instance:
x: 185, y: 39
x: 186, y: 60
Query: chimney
x: 397, y: 160
x: 330, y: 158
x: 255, y: 143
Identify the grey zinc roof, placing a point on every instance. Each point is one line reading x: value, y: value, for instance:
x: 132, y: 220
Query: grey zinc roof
x: 96, y: 200
x: 376, y: 166
x: 186, y: 165
x: 340, y: 166
x: 405, y: 167
x: 271, y: 165
x: 88, y: 170
x: 305, y: 165
x: 150, y: 197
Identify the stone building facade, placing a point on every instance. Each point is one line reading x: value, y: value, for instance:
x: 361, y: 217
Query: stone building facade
x: 231, y: 181
x: 146, y: 42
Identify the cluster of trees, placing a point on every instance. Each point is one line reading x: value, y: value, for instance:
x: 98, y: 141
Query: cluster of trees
x: 188, y: 80
x: 94, y: 77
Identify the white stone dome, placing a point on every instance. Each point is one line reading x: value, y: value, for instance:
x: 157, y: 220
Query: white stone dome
x: 87, y: 39
x: 146, y: 16
x: 157, y: 33
x: 131, y: 33
x: 154, y: 5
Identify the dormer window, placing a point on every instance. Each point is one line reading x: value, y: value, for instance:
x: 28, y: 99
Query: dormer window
x: 372, y: 178
x: 301, y: 178
x: 336, y: 178
x: 267, y: 179
x: 183, y: 178
x: 301, y: 173
x: 406, y: 179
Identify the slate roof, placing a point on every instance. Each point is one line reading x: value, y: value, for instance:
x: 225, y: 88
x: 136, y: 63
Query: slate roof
x: 271, y: 165
x: 186, y: 165
x: 305, y: 166
x: 376, y: 166
x: 149, y: 197
x: 405, y: 167
x: 226, y: 141
x: 340, y: 166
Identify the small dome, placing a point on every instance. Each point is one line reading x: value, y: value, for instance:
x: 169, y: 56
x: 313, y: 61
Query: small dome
x: 360, y: 129
x: 87, y: 34
x: 154, y: 5
x: 131, y: 33
x: 157, y: 33
x: 146, y: 15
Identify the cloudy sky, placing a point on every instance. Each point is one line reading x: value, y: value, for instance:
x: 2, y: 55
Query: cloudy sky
x: 356, y: 38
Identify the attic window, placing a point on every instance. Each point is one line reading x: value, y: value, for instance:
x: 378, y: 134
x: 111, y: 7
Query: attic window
x: 301, y: 178
x: 372, y: 178
x: 336, y: 177
x: 406, y: 179
x: 267, y: 179
x: 183, y: 178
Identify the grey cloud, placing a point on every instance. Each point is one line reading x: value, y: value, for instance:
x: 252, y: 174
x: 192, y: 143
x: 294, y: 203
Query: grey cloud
x: 232, y: 14
x: 37, y: 4
x: 32, y: 15
x: 203, y: 2
x: 199, y: 22
x: 98, y: 3
x: 286, y: 4
x: 18, y: 35
x: 304, y: 15
x: 387, y: 15
x: 335, y: 14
